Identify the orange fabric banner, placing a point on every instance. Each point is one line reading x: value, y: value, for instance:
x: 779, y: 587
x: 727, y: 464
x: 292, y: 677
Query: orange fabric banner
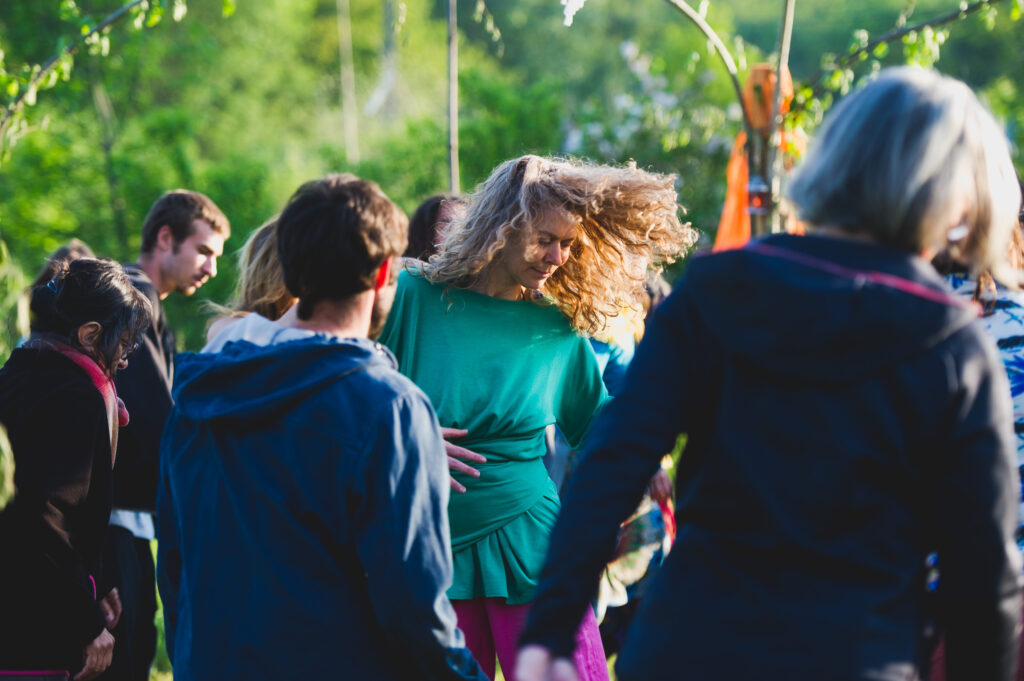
x: 734, y: 226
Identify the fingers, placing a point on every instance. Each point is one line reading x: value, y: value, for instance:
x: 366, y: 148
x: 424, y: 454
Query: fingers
x: 533, y: 664
x: 564, y: 670
x: 108, y: 613
x: 111, y: 607
x: 456, y: 465
x: 456, y: 487
x: 453, y: 432
x: 463, y: 453
x: 98, y: 655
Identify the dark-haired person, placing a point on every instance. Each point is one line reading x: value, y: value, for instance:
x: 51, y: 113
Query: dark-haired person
x: 428, y: 222
x: 62, y: 415
x: 182, y: 237
x: 72, y: 250
x: 303, y: 532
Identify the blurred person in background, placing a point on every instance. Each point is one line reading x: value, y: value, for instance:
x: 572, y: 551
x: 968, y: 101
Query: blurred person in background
x: 427, y: 224
x: 182, y: 237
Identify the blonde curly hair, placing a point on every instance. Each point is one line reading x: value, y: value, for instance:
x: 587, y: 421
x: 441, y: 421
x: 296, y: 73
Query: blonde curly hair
x: 628, y: 221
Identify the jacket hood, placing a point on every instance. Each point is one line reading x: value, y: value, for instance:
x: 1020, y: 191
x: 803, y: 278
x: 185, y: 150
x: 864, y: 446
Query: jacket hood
x: 813, y: 307
x: 253, y: 382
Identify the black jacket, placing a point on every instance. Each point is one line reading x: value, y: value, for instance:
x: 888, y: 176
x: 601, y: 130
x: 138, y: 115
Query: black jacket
x: 839, y: 431
x: 51, y: 534
x: 145, y: 387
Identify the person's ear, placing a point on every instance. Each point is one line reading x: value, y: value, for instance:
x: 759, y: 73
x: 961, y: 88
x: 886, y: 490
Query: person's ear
x: 383, y: 275
x: 88, y: 335
x: 165, y: 238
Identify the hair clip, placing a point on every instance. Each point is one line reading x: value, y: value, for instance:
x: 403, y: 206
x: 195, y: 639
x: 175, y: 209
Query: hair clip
x: 52, y: 284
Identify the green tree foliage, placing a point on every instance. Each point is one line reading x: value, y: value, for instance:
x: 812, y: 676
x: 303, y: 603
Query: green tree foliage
x: 245, y: 109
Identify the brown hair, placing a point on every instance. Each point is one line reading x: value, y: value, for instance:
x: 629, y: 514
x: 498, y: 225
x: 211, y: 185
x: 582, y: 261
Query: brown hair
x: 333, y: 237
x: 178, y: 209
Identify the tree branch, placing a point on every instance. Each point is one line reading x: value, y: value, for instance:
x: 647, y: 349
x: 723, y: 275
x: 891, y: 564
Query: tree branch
x: 720, y: 48
x: 817, y: 79
x: 19, y: 102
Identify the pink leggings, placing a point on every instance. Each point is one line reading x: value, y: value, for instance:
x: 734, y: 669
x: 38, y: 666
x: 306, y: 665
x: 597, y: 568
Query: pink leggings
x: 492, y: 627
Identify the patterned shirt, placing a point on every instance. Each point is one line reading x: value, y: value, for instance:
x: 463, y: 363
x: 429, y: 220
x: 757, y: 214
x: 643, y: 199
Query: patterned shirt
x: 1004, y: 323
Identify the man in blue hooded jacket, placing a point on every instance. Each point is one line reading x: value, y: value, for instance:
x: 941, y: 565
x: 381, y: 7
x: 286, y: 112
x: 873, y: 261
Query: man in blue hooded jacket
x: 304, y: 485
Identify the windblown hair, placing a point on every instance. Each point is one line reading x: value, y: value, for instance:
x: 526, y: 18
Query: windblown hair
x: 261, y: 287
x: 628, y: 220
x: 897, y: 157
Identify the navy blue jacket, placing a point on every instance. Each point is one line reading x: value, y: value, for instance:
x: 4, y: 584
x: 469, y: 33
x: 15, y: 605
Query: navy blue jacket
x: 302, y: 519
x: 839, y: 431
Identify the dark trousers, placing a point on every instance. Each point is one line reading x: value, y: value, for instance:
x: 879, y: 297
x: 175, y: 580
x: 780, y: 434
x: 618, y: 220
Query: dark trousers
x: 135, y: 633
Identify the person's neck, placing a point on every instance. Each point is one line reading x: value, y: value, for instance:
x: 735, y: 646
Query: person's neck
x: 349, y: 318
x: 148, y: 264
x: 492, y: 284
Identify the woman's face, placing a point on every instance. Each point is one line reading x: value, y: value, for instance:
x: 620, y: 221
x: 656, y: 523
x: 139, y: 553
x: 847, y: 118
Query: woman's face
x: 531, y: 260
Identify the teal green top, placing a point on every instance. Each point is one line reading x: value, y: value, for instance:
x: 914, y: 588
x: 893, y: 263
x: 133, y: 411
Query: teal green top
x: 503, y: 370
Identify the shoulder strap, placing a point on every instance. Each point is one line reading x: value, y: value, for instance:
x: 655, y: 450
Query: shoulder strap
x: 881, y: 278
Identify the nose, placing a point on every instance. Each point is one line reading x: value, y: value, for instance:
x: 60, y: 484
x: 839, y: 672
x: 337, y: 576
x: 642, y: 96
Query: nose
x: 210, y: 268
x: 556, y: 255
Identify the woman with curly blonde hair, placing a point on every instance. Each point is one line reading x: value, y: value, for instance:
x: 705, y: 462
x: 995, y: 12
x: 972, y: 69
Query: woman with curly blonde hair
x: 492, y: 329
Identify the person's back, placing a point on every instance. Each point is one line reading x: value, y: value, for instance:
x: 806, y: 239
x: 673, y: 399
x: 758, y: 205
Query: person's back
x: 300, y: 492
x: 836, y: 448
x: 303, y: 524
x: 846, y: 416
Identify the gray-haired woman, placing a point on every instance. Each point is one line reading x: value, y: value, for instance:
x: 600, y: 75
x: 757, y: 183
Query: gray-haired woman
x: 846, y: 418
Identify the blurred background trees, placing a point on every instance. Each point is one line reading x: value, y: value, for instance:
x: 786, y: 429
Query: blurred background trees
x: 246, y: 107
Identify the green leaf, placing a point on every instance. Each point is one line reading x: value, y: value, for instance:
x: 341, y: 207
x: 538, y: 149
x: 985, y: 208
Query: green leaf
x: 228, y: 7
x: 69, y: 10
x: 13, y: 87
x: 835, y: 80
x: 156, y: 13
x: 880, y: 51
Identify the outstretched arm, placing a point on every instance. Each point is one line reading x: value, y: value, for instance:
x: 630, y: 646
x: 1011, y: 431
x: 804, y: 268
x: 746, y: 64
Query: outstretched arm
x: 623, y: 451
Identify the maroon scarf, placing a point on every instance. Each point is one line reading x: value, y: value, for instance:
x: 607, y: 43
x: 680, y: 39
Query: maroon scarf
x: 117, y: 414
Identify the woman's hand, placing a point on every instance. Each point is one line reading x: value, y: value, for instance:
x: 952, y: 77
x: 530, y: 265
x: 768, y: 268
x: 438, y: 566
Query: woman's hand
x: 534, y: 664
x: 97, y: 656
x: 455, y: 453
x: 111, y: 607
x: 660, y: 487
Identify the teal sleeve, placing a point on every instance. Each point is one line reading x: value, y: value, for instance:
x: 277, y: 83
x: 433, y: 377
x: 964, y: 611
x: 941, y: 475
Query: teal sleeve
x: 582, y: 396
